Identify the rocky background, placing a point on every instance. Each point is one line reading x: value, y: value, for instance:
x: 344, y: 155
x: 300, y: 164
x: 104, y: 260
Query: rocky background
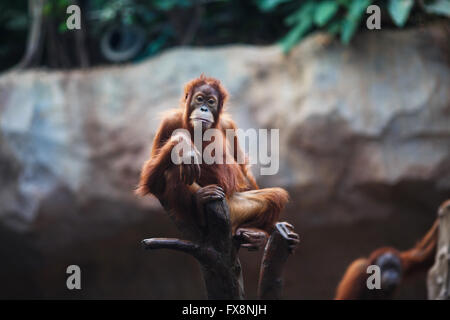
x: 364, y: 151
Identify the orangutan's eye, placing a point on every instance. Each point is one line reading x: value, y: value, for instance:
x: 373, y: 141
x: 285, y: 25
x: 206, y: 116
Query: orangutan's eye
x: 211, y: 102
x: 199, y: 99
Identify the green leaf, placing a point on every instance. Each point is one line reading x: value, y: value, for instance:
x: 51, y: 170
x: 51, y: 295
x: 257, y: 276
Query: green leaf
x: 147, y: 15
x: 155, y: 46
x: 185, y: 3
x: 348, y: 29
x: 335, y: 27
x: 345, y: 3
x: 296, y: 34
x: 306, y: 11
x: 128, y: 19
x: 20, y: 22
x: 47, y: 9
x: 62, y: 27
x: 165, y: 5
x: 268, y: 5
x: 441, y: 7
x: 324, y: 12
x: 399, y: 11
x: 353, y: 19
x: 358, y: 8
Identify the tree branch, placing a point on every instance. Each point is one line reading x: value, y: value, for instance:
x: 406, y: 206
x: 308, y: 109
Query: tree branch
x: 214, y: 249
x: 281, y: 244
x: 171, y: 243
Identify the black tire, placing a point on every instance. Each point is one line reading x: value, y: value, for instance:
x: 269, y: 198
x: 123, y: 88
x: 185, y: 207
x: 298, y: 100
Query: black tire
x: 121, y: 43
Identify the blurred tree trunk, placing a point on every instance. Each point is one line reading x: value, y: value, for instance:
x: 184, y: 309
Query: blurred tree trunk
x: 66, y: 49
x: 57, y: 55
x: 193, y: 26
x: 33, y: 53
x: 80, y: 37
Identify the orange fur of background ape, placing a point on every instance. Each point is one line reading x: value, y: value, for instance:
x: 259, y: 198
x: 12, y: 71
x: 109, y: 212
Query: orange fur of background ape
x: 184, y: 188
x: 419, y: 258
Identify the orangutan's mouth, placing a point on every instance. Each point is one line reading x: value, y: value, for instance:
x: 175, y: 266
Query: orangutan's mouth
x: 202, y: 120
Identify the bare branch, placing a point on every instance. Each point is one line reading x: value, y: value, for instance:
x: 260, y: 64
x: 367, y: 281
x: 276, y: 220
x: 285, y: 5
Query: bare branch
x: 281, y: 244
x: 173, y: 244
x: 214, y: 249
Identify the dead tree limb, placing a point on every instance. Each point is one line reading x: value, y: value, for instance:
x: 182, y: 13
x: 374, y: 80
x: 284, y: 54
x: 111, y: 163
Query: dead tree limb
x: 214, y: 248
x: 174, y: 244
x: 281, y: 244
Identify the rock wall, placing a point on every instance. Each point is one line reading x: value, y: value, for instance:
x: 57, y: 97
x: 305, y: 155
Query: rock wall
x: 364, y: 151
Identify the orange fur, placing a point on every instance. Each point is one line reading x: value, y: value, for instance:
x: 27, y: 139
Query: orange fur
x: 249, y: 206
x: 418, y: 258
x: 421, y: 256
x: 191, y: 85
x: 353, y: 282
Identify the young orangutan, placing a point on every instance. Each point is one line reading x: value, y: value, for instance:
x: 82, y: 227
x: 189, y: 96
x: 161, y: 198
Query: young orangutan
x: 186, y: 187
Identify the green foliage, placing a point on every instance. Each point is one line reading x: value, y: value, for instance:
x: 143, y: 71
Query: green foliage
x: 56, y: 10
x: 13, y: 30
x: 168, y: 23
x: 337, y: 17
x: 352, y: 19
x: 325, y: 12
x: 439, y: 7
x: 341, y: 17
x: 302, y: 22
x: 56, y: 7
x: 268, y: 5
x: 399, y: 10
x: 166, y: 5
x: 13, y: 16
